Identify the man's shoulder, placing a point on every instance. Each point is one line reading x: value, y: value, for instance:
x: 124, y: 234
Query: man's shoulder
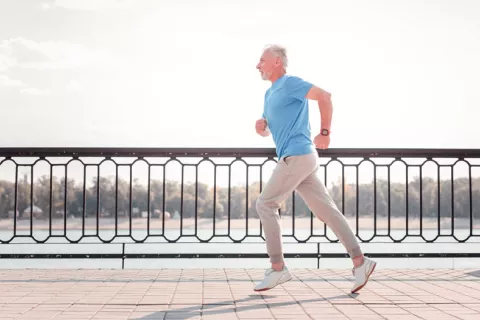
x: 290, y: 78
x: 295, y: 83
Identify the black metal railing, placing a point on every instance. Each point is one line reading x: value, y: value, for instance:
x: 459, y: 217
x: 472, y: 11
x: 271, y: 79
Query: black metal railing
x: 392, y: 195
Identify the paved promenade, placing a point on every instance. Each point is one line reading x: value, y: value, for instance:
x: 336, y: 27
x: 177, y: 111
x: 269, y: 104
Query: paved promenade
x: 227, y: 294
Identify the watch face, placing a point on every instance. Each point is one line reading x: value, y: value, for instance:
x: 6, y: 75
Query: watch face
x: 325, y: 132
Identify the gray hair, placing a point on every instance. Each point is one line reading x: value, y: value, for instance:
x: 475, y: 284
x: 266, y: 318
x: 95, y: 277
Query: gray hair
x: 278, y: 51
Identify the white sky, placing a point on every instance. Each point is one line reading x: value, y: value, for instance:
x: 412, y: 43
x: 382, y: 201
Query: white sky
x: 181, y: 73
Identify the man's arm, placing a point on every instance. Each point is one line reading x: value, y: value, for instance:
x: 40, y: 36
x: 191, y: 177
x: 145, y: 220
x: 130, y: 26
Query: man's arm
x: 325, y: 105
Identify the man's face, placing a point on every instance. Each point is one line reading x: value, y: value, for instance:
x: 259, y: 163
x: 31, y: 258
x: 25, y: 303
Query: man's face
x: 268, y: 62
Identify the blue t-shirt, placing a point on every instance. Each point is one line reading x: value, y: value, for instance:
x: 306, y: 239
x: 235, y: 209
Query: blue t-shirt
x: 286, y: 112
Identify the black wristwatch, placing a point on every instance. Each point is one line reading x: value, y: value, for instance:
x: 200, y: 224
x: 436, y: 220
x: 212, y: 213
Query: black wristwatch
x: 325, y: 132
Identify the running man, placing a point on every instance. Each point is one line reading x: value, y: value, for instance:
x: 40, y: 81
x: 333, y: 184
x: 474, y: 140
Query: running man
x: 285, y: 117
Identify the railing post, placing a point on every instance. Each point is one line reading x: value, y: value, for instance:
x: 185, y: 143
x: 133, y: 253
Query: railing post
x: 123, y: 256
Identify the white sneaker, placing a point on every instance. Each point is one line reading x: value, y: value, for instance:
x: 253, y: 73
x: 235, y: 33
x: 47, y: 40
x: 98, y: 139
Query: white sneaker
x: 362, y: 274
x: 274, y: 278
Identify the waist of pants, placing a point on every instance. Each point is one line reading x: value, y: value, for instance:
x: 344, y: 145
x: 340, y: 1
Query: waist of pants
x: 297, y: 151
x: 299, y: 155
x: 299, y: 158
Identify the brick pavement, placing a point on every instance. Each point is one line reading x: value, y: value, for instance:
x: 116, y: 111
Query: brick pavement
x: 227, y: 294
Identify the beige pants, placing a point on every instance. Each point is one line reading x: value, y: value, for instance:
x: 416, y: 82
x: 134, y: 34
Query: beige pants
x: 300, y: 173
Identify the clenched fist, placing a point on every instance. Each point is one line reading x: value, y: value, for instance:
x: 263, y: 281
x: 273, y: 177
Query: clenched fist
x: 321, y: 141
x: 261, y: 127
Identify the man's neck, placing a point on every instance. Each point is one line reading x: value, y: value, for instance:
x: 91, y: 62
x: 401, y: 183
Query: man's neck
x: 276, y: 76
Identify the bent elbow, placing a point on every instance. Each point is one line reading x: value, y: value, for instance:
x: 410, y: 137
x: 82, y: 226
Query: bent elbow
x: 325, y: 97
x: 328, y: 96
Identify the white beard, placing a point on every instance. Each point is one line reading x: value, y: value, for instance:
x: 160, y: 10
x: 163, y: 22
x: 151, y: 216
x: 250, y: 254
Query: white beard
x: 266, y: 75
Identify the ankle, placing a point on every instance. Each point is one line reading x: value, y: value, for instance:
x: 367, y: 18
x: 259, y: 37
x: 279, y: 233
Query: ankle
x: 358, y: 261
x: 278, y: 266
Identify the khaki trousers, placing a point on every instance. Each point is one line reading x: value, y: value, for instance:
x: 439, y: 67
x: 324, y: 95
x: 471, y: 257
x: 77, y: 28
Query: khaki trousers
x: 300, y: 173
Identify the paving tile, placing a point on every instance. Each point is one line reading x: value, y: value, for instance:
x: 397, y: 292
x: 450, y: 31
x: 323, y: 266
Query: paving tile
x: 228, y: 294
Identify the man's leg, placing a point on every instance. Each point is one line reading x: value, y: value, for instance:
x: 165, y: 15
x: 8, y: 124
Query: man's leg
x: 316, y: 196
x: 288, y: 174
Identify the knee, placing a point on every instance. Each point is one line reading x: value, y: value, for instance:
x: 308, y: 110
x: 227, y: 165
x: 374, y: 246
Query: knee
x: 265, y: 206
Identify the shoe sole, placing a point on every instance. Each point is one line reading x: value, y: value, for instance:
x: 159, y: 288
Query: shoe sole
x: 278, y: 283
x: 366, y: 280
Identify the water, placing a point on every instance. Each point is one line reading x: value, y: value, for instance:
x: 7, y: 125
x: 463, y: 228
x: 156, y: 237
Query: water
x: 224, y: 245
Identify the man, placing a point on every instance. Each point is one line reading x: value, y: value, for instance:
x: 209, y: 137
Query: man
x: 285, y: 116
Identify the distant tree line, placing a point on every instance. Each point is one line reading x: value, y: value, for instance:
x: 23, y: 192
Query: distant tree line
x: 109, y: 191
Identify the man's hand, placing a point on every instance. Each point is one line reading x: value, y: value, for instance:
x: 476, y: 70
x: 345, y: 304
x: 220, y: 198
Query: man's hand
x: 261, y: 127
x: 321, y: 141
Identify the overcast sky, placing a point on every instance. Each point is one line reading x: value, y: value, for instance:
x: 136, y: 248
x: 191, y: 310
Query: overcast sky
x: 181, y: 73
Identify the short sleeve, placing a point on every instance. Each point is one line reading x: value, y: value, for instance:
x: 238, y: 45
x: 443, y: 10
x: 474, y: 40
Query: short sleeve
x: 297, y: 87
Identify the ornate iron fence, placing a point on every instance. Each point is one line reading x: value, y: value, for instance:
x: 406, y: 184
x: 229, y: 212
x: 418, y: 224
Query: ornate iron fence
x: 426, y: 200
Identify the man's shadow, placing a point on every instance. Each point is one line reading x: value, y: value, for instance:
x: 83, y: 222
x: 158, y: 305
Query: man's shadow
x: 209, y: 309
